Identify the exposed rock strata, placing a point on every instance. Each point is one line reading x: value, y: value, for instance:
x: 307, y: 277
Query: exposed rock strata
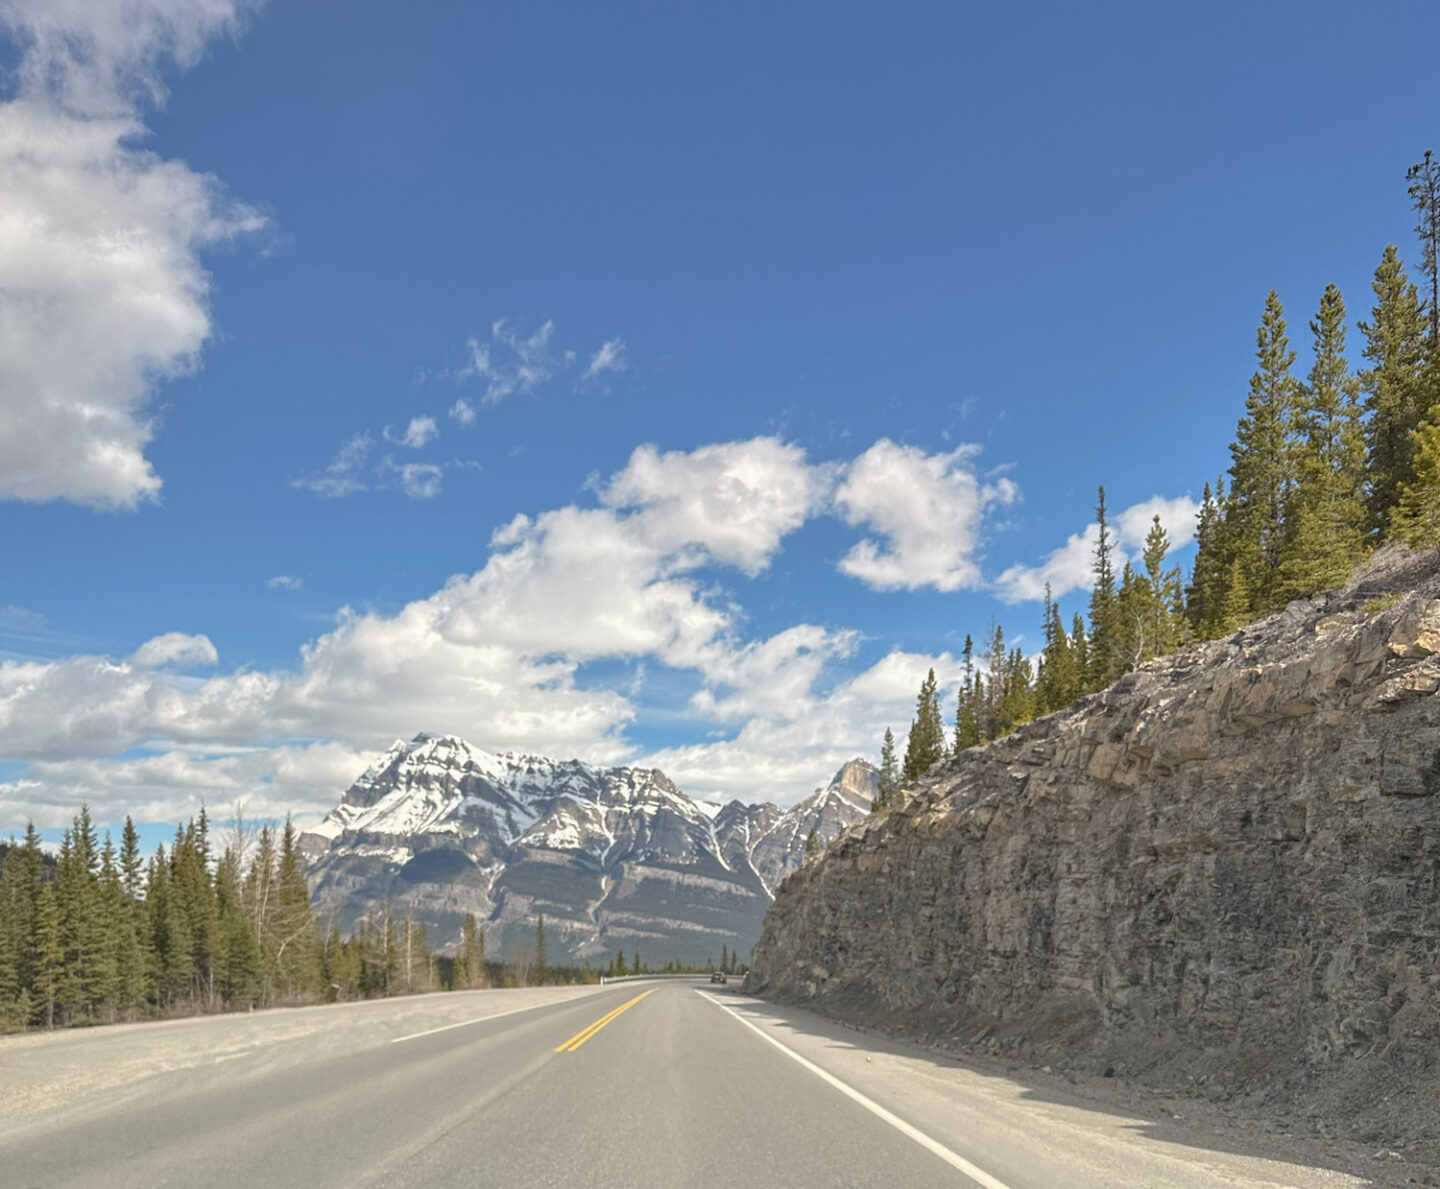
x: 611, y: 857
x: 1222, y: 872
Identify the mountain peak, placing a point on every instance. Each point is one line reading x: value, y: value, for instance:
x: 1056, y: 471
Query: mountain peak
x: 609, y: 856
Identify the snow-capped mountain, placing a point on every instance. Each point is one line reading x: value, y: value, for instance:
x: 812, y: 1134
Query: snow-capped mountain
x: 772, y: 840
x: 614, y: 858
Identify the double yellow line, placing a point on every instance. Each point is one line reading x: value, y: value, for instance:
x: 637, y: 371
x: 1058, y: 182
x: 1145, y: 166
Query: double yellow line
x: 586, y: 1033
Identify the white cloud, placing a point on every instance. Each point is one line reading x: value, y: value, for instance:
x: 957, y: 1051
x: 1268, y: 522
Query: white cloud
x: 926, y: 508
x: 104, y: 59
x: 463, y: 412
x: 302, y: 780
x: 420, y: 480
x: 345, y: 473
x: 1177, y: 518
x: 492, y: 655
x: 105, y: 296
x: 496, y: 656
x: 508, y: 363
x: 285, y: 582
x: 782, y: 755
x: 1063, y: 570
x: 736, y: 500
x: 419, y: 433
x: 177, y: 649
x: 1068, y: 568
x: 609, y: 358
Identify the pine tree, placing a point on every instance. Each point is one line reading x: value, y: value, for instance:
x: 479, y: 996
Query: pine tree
x: 292, y: 940
x: 1393, y: 385
x: 1017, y: 694
x: 889, y: 774
x: 812, y: 846
x: 1059, y: 680
x: 239, y: 961
x: 542, y: 966
x: 1424, y: 187
x: 1205, y: 596
x: 1165, y: 629
x: 1104, y: 653
x: 1415, y: 519
x: 1080, y: 645
x: 1262, y: 471
x: 1235, y: 611
x: 967, y: 722
x: 927, y: 733
x: 49, y: 955
x: 1325, y: 519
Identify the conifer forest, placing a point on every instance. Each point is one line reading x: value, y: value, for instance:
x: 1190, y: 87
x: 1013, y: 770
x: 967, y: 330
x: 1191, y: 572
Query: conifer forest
x: 1325, y: 467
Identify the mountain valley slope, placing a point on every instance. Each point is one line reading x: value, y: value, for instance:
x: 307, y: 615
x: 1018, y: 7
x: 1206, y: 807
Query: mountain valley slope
x: 613, y: 858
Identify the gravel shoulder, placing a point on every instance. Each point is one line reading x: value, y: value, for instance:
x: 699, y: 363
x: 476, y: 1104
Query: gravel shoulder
x: 45, y: 1072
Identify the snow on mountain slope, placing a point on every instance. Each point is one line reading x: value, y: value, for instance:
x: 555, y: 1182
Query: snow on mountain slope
x: 773, y: 840
x: 612, y: 857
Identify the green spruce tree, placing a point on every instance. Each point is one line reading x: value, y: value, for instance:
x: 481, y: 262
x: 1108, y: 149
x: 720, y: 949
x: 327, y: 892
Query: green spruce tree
x: 1394, y: 385
x: 1104, y: 655
x: 927, y: 733
x: 1325, y: 518
x: 889, y: 781
x: 1415, y: 519
x: 1262, y: 471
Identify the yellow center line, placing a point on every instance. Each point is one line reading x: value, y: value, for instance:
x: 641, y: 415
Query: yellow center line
x: 586, y: 1033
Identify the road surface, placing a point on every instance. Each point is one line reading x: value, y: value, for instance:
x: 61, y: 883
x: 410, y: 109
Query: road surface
x: 632, y: 1084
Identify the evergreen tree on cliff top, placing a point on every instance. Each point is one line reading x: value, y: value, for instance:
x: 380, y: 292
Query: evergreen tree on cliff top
x: 1424, y: 188
x: 1415, y: 519
x: 1325, y: 518
x: 889, y: 773
x: 927, y: 733
x: 1262, y: 471
x: 1393, y: 384
x: 1103, y: 661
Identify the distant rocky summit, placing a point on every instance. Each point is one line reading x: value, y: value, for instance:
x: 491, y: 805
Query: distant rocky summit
x: 613, y: 858
x: 1221, y: 875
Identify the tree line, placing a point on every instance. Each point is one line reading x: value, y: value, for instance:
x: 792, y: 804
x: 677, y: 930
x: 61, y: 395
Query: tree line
x: 99, y: 934
x: 1323, y: 470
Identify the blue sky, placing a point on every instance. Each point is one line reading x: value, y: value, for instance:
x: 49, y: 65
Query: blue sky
x: 303, y: 303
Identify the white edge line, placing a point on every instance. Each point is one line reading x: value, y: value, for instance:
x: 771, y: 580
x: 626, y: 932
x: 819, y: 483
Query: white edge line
x: 954, y: 1159
x: 514, y: 1011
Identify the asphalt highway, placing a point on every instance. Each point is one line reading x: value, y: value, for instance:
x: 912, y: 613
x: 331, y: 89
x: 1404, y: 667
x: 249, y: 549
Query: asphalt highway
x: 633, y: 1084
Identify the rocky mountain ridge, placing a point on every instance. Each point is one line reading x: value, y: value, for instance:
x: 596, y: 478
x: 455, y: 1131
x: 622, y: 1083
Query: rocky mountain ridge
x: 1221, y: 875
x: 611, y: 857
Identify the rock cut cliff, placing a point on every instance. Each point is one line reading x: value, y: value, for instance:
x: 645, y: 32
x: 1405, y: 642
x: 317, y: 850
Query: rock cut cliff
x: 1220, y: 874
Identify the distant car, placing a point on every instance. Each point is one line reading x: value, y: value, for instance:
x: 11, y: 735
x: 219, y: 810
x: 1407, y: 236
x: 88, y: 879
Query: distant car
x: 717, y: 976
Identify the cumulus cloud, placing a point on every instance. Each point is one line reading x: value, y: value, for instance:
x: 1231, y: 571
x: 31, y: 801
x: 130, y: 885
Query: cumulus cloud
x: 609, y: 358
x: 301, y: 780
x: 926, y: 510
x: 496, y: 655
x: 176, y: 649
x: 1068, y: 568
x: 105, y: 295
x: 781, y: 752
x: 285, y: 582
x: 492, y: 655
x: 735, y: 500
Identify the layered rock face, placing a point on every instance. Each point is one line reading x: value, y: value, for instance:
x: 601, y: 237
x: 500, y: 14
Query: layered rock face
x: 1222, y: 872
x: 612, y: 858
